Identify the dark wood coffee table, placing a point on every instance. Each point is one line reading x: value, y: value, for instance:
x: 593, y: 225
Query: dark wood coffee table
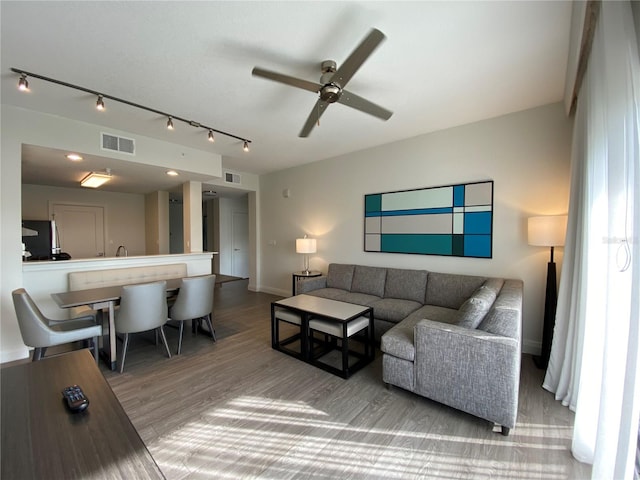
x: 42, y: 439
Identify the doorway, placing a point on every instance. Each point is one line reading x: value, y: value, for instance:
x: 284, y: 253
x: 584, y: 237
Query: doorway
x: 240, y: 244
x: 80, y: 229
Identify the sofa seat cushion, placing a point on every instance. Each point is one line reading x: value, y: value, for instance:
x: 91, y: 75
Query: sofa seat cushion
x: 359, y: 298
x: 369, y: 280
x: 330, y: 293
x: 437, y: 314
x: 399, y: 340
x: 394, y: 309
x: 406, y: 284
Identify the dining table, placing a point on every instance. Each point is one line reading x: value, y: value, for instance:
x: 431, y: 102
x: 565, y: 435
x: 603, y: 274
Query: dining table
x: 105, y: 299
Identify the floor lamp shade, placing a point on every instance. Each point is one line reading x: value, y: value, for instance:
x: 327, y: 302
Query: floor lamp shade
x: 548, y: 231
x: 306, y: 246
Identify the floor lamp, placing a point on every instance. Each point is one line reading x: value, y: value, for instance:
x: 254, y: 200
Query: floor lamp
x: 306, y: 246
x: 548, y: 231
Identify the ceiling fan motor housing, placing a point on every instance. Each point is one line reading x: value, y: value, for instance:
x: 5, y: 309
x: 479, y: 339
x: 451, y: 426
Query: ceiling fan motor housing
x: 330, y: 91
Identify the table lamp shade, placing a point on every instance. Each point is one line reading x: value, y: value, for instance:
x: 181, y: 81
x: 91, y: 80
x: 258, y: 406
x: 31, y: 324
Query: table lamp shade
x: 547, y: 231
x: 305, y: 245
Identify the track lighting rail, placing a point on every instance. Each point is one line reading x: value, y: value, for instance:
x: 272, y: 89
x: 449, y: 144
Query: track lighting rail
x: 102, y: 96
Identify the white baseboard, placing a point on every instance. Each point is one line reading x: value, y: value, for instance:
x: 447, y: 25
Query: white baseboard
x: 275, y: 291
x: 532, y: 347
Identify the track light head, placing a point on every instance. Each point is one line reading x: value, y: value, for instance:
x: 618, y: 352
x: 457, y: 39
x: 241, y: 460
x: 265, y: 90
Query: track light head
x: 23, y: 83
x: 245, y: 147
x: 169, y: 123
x: 100, y: 103
x: 211, y: 137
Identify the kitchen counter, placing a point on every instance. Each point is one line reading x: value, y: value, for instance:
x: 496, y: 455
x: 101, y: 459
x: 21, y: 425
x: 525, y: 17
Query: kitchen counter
x: 41, y: 278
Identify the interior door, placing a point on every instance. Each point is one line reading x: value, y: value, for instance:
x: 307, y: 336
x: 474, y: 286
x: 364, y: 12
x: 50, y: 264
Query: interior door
x: 240, y: 245
x: 80, y: 229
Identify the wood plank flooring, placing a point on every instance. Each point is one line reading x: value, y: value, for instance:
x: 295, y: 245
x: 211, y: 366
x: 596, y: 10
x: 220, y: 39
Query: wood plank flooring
x: 238, y: 409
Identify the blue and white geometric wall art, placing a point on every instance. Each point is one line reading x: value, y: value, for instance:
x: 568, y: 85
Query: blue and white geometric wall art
x: 453, y: 220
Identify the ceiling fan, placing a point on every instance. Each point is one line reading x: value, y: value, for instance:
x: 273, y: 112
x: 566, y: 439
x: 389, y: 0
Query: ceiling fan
x: 332, y: 83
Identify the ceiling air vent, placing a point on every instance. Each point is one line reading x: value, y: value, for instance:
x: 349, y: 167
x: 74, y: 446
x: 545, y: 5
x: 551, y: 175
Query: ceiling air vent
x: 118, y: 144
x: 232, y: 177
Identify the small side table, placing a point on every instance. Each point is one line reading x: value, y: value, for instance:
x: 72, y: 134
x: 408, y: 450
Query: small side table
x: 296, y: 275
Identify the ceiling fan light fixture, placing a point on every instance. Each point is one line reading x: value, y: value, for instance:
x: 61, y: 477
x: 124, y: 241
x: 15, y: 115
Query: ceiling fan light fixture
x: 169, y: 123
x: 94, y: 180
x: 245, y: 147
x: 100, y: 103
x: 23, y: 83
x: 211, y: 137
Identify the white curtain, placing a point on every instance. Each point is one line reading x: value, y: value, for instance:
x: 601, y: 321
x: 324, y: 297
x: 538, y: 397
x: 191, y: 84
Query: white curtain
x: 593, y: 367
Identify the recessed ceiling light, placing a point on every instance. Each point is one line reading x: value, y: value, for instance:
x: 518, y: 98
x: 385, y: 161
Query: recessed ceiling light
x: 74, y: 157
x: 172, y: 173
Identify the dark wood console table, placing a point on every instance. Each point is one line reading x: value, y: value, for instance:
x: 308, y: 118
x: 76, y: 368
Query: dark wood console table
x: 42, y: 439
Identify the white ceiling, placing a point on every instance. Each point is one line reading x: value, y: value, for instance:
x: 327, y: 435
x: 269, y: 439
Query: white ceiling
x: 443, y: 64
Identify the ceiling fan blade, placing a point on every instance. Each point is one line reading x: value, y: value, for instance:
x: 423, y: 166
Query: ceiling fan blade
x: 318, y: 109
x: 354, y: 101
x: 286, y: 79
x: 351, y: 65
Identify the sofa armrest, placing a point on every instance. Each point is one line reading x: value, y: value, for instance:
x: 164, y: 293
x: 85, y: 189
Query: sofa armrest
x: 471, y: 370
x: 306, y: 285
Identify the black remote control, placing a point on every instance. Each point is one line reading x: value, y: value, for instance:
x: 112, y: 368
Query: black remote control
x: 74, y: 396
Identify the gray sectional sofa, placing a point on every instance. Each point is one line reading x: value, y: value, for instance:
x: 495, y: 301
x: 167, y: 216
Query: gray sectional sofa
x: 451, y: 338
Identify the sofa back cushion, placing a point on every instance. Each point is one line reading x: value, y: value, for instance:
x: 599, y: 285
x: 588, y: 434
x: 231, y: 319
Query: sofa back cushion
x: 340, y: 276
x: 450, y: 290
x: 505, y: 317
x: 474, y: 309
x: 406, y: 284
x: 369, y: 280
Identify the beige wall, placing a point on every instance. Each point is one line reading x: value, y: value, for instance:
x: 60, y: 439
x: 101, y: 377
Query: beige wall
x: 527, y: 154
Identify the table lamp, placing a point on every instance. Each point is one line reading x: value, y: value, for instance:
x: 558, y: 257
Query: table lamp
x: 306, y: 246
x: 548, y: 231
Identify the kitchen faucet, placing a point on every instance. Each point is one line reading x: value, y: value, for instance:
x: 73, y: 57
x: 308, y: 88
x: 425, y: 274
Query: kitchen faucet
x: 126, y: 254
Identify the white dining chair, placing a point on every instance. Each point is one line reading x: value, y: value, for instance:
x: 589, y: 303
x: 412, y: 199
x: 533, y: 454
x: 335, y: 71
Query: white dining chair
x: 41, y: 332
x: 194, y: 302
x: 142, y: 308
